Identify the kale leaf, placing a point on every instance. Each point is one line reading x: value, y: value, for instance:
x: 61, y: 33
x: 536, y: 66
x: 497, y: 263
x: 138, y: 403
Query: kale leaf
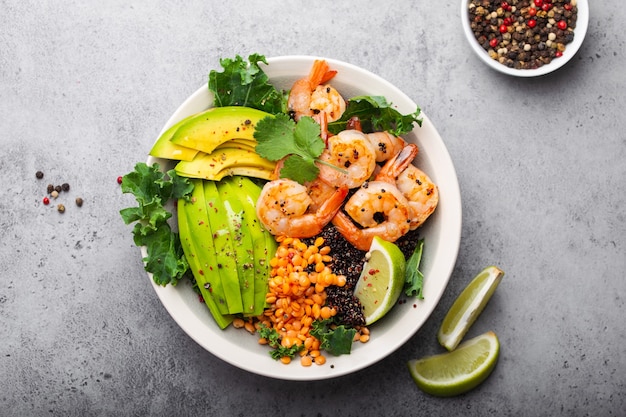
x: 152, y: 190
x: 245, y: 84
x: 336, y: 340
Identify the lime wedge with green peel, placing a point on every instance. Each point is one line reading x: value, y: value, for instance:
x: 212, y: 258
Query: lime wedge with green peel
x: 468, y: 306
x: 381, y: 280
x: 456, y: 372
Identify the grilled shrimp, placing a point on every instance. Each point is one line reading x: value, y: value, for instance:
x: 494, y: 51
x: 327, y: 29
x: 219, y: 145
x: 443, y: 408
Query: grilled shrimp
x: 353, y: 153
x: 380, y: 209
x: 419, y: 190
x: 310, y: 97
x: 387, y: 145
x: 413, y: 183
x: 284, y: 209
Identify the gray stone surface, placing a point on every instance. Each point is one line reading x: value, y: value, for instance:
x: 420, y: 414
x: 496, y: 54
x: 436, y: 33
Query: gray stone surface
x: 86, y: 86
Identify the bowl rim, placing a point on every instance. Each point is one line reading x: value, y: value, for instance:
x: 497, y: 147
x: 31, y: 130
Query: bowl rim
x: 582, y: 24
x: 195, y: 320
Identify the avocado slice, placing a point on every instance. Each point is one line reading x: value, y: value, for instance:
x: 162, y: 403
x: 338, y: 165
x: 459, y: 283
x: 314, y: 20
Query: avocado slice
x: 207, y: 130
x: 264, y: 243
x: 224, y: 161
x: 194, y: 216
x: 164, y: 148
x: 207, y: 283
x: 224, y: 249
x: 241, y: 239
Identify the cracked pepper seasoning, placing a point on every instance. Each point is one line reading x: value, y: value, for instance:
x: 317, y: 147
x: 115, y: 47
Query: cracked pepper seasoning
x: 523, y: 34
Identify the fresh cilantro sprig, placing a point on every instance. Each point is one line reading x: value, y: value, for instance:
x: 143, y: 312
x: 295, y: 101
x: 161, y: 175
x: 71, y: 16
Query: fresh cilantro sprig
x: 152, y: 189
x: 414, y: 279
x: 299, y: 144
x: 336, y: 340
x: 245, y: 84
x: 375, y: 115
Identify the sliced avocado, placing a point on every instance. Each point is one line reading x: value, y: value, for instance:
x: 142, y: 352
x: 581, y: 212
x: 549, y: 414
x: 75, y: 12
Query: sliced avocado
x: 164, y: 148
x: 263, y: 242
x: 224, y: 249
x: 223, y: 161
x: 200, y: 235
x: 242, y: 241
x: 206, y: 130
x: 203, y: 280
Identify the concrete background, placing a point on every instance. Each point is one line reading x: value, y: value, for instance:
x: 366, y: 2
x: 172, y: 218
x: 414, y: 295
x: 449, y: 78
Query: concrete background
x: 85, y: 88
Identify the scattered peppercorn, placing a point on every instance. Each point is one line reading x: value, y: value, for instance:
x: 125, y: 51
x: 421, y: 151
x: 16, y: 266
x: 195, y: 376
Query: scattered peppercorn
x: 39, y: 175
x: 119, y: 180
x: 54, y: 194
x: 65, y: 187
x: 79, y: 201
x: 50, y: 188
x: 46, y: 201
x: 58, y: 189
x: 523, y: 34
x: 61, y: 208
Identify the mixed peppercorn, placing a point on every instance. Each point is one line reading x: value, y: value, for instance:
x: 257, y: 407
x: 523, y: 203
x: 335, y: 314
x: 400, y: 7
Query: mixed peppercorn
x: 523, y: 34
x: 54, y: 191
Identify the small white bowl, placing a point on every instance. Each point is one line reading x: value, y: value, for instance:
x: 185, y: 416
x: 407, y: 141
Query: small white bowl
x: 582, y: 22
x: 441, y: 233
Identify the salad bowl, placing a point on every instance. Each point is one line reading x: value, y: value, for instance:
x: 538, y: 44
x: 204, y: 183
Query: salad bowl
x: 441, y: 234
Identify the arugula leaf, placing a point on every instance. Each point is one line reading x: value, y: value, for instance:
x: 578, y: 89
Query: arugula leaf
x: 376, y: 114
x: 152, y: 189
x: 299, y: 144
x: 336, y: 340
x: 245, y: 84
x: 414, y: 279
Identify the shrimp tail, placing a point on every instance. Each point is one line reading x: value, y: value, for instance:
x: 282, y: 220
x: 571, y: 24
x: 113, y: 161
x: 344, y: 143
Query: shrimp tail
x: 393, y: 167
x: 329, y: 208
x: 351, y: 232
x: 320, y: 73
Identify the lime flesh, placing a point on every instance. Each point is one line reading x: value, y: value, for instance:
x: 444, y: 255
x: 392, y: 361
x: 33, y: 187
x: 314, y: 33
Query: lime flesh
x: 456, y: 372
x: 381, y: 281
x: 468, y: 306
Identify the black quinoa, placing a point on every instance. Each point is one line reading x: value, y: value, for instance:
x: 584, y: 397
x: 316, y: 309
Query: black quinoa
x: 348, y: 261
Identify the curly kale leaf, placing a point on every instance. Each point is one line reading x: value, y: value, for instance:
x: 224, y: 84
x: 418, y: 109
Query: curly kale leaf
x: 152, y: 190
x: 245, y: 84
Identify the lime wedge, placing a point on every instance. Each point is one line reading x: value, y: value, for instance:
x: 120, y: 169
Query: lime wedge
x: 459, y: 371
x: 468, y: 306
x: 381, y: 280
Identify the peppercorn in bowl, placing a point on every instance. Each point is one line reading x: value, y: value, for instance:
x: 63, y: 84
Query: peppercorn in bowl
x: 525, y: 38
x: 440, y: 233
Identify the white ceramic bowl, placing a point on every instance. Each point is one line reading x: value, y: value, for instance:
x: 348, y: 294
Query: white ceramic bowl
x: 442, y: 233
x: 582, y: 22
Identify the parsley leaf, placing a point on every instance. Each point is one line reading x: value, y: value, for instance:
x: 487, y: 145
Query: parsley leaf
x: 152, y: 190
x: 299, y: 144
x: 414, y: 279
x: 376, y: 114
x: 336, y: 340
x: 245, y: 84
